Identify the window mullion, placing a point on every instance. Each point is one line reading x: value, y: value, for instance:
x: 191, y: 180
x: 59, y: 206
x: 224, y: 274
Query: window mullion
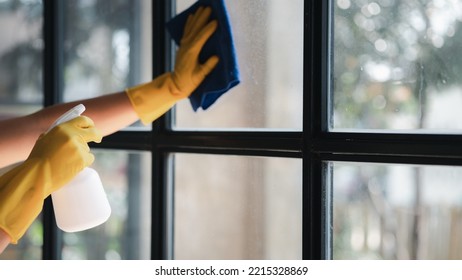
x: 408, y: 146
x: 264, y: 143
x: 161, y: 246
x: 315, y: 122
x: 52, y: 87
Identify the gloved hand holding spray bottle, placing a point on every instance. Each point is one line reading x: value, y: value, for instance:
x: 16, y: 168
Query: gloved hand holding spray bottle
x: 60, y: 155
x: 56, y: 158
x: 82, y: 203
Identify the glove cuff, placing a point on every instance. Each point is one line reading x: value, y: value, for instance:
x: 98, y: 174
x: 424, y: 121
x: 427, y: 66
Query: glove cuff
x: 22, y: 191
x: 151, y: 100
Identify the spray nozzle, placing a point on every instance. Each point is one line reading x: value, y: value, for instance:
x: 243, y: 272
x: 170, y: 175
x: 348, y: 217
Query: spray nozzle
x: 69, y: 115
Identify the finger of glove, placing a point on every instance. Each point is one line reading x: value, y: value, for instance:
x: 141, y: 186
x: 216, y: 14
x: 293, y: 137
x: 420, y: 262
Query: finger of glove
x: 209, y: 65
x: 187, y: 25
x: 191, y: 20
x: 83, y: 152
x: 87, y: 129
x: 199, y: 19
x: 91, y: 134
x: 88, y: 159
x: 81, y: 121
x: 194, y: 48
x: 205, y: 34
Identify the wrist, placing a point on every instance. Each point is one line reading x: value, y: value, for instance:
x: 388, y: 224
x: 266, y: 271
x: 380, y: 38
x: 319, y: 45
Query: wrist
x: 153, y: 99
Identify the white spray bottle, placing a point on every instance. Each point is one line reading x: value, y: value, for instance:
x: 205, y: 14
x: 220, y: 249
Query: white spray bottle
x: 82, y: 203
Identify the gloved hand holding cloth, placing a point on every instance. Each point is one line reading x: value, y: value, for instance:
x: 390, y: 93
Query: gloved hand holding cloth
x: 153, y: 99
x: 56, y: 158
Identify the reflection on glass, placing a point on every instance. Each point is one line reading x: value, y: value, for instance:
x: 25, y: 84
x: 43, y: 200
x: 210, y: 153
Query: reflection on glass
x: 107, y: 46
x: 396, y: 64
x: 126, y: 235
x: 21, y: 51
x: 396, y: 211
x: 268, y: 37
x: 231, y: 207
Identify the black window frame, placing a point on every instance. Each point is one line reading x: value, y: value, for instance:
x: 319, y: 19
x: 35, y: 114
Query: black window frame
x: 360, y: 146
x: 163, y: 140
x: 315, y: 145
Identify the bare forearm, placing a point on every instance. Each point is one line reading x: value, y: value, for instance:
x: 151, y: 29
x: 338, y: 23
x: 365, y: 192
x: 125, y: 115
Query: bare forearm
x: 4, y: 241
x: 17, y: 136
x: 109, y: 112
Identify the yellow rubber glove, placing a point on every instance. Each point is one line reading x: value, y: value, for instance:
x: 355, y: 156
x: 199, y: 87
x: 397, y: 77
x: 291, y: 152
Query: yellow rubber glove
x: 56, y: 158
x: 153, y: 99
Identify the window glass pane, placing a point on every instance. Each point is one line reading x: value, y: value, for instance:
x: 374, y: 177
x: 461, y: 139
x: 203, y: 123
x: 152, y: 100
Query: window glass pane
x: 396, y: 64
x: 21, y: 51
x: 384, y: 211
x: 236, y: 207
x: 126, y: 235
x: 268, y: 36
x: 107, y: 46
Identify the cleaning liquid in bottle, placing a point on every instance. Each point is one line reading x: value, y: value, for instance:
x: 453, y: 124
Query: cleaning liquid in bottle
x: 82, y: 203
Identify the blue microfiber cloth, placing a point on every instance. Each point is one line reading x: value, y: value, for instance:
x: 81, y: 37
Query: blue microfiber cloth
x: 226, y: 73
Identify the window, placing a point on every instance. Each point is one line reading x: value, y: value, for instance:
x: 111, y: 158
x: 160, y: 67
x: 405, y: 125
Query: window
x: 244, y: 202
x: 88, y: 48
x: 157, y: 190
x: 341, y: 142
x: 393, y: 65
x: 272, y: 78
x: 237, y: 207
x: 21, y: 67
x: 389, y: 146
x: 396, y: 211
x: 21, y: 57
